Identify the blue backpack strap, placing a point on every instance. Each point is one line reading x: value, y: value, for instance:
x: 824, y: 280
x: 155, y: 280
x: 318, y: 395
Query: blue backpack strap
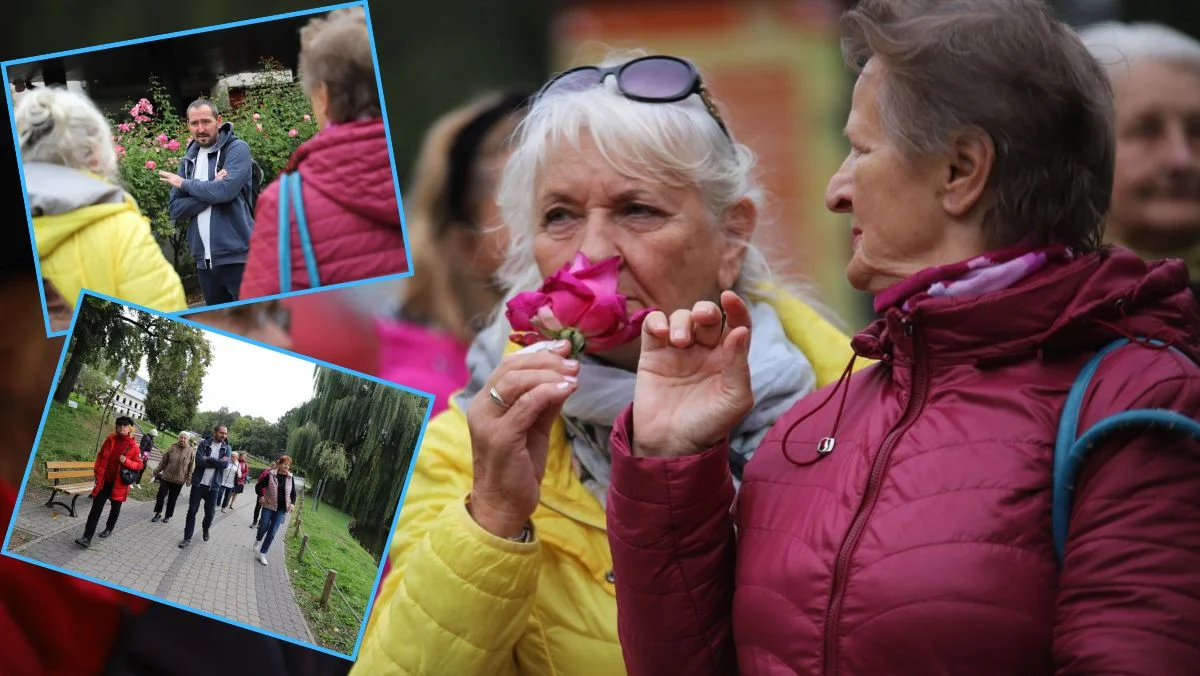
x: 285, y: 236
x: 1070, y: 449
x: 310, y: 258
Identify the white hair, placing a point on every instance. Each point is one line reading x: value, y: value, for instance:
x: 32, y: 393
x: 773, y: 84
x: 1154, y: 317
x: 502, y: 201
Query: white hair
x: 678, y: 144
x: 1118, y: 45
x: 64, y: 127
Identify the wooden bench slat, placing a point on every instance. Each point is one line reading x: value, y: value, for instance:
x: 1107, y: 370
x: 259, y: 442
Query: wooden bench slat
x: 72, y: 489
x: 64, y: 464
x: 72, y: 474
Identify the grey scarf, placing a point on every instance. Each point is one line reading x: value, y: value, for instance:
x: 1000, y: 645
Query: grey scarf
x: 780, y: 375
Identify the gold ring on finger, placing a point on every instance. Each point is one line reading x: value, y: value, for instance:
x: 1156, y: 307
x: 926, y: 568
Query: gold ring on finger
x: 495, y: 396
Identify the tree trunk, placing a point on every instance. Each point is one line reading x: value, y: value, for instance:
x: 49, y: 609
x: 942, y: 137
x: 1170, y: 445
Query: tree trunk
x: 70, y: 374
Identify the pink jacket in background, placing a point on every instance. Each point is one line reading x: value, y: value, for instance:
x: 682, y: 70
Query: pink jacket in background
x: 921, y: 544
x: 353, y: 214
x: 423, y: 359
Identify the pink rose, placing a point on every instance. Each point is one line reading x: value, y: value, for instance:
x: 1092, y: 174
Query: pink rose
x: 579, y: 303
x: 256, y: 117
x: 307, y: 118
x: 142, y: 118
x: 145, y: 104
x: 172, y: 145
x: 120, y: 150
x: 292, y: 132
x: 258, y: 127
x: 163, y: 138
x: 150, y: 164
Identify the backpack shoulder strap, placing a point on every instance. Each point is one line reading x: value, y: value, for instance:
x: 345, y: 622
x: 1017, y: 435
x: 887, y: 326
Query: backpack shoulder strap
x: 285, y: 234
x: 1071, y: 448
x: 310, y: 258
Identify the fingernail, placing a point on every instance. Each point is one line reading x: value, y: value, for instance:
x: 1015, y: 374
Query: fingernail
x: 570, y: 363
x: 564, y: 385
x: 570, y: 379
x: 677, y: 334
x: 559, y: 344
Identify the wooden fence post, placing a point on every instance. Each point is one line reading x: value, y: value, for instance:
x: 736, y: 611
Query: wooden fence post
x: 303, y: 546
x: 329, y: 578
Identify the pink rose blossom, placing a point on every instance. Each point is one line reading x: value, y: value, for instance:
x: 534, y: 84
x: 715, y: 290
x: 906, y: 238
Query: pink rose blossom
x: 256, y: 117
x: 120, y: 150
x: 258, y: 127
x: 579, y: 303
x: 125, y: 127
x: 172, y: 145
x: 307, y: 118
x: 150, y: 164
x: 163, y: 138
x: 292, y: 132
x: 142, y: 118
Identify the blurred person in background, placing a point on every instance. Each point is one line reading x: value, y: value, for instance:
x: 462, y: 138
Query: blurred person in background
x: 90, y: 232
x: 146, y: 444
x: 174, y: 471
x: 1155, y: 73
x: 901, y: 521
x: 458, y: 242
x: 500, y: 559
x: 348, y: 191
x: 264, y: 321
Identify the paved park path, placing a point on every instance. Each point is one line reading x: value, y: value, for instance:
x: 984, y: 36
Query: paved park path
x: 220, y: 576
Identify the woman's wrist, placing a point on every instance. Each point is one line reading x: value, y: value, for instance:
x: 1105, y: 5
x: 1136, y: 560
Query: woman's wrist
x: 498, y: 522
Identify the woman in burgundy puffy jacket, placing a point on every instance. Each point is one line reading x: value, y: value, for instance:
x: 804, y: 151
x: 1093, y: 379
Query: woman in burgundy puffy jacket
x: 349, y: 192
x: 899, y: 521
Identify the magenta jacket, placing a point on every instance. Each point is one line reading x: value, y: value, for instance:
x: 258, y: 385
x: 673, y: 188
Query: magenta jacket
x: 353, y: 214
x: 921, y: 544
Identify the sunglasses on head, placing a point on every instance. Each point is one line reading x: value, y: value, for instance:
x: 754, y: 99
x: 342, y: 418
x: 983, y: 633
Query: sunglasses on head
x: 649, y: 79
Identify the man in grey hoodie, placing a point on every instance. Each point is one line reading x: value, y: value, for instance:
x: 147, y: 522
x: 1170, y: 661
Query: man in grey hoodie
x: 213, y: 193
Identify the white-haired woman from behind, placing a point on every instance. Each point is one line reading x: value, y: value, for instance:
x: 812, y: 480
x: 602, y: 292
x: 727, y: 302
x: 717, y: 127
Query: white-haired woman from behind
x: 89, y: 232
x: 501, y: 563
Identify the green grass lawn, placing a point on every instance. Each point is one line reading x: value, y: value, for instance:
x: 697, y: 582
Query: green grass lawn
x: 70, y: 434
x: 330, y: 542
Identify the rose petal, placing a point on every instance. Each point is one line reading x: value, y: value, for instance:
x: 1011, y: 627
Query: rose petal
x: 522, y: 308
x: 602, y: 277
x: 605, y: 315
x: 626, y: 334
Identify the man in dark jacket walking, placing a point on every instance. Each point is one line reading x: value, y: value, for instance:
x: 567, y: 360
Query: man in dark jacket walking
x: 212, y: 457
x: 213, y: 192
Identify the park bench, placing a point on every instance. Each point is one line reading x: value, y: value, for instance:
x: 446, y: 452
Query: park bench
x: 59, y: 470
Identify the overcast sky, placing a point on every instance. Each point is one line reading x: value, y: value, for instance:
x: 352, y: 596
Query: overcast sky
x: 252, y: 380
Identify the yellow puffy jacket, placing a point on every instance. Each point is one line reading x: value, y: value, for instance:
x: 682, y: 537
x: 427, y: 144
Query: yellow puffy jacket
x: 460, y: 601
x: 91, y: 235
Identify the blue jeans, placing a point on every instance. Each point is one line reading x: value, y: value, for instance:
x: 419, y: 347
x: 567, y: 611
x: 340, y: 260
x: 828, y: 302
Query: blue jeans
x: 268, y: 523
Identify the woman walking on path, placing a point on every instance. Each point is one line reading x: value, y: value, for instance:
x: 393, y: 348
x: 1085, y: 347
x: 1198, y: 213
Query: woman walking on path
x: 174, y: 471
x: 258, y: 493
x: 239, y: 480
x: 277, y: 491
x: 228, y: 481
x: 119, y: 452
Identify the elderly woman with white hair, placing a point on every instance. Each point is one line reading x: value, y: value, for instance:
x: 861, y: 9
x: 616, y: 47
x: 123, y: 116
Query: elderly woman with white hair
x: 1155, y: 73
x: 957, y: 508
x: 89, y: 231
x: 500, y: 559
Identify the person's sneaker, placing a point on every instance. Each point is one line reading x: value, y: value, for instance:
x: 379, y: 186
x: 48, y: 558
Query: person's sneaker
x: 222, y: 510
x: 166, y: 520
x: 206, y: 535
x: 184, y: 542
x: 105, y: 533
x: 262, y: 558
x: 83, y: 542
x: 156, y: 518
x: 254, y: 525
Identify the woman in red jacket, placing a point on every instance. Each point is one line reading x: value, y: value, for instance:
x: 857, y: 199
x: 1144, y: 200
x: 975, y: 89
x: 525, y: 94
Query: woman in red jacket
x: 349, y: 193
x: 120, y: 451
x: 899, y: 522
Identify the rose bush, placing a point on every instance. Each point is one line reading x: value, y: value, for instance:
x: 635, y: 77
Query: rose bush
x: 274, y: 118
x: 578, y: 303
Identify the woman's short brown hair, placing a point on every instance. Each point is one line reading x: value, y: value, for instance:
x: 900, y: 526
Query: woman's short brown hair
x: 1011, y: 69
x: 335, y: 49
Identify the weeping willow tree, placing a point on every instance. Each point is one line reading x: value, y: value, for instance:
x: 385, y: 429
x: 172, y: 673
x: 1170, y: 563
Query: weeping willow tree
x: 360, y: 437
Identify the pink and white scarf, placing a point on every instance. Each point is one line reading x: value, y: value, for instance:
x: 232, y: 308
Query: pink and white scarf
x: 993, y: 271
